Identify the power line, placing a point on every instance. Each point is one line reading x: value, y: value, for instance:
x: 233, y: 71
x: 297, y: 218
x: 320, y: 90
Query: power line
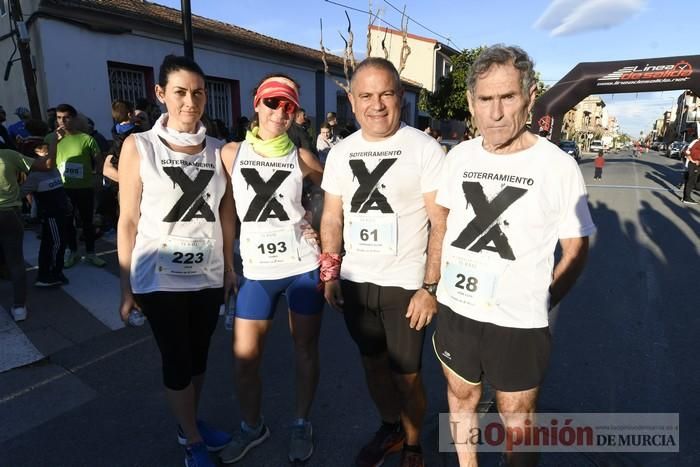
x: 361, y: 11
x: 423, y: 26
x: 388, y: 23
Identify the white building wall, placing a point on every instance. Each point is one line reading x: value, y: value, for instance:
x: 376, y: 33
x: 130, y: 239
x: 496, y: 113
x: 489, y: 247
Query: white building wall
x: 80, y: 78
x: 72, y: 68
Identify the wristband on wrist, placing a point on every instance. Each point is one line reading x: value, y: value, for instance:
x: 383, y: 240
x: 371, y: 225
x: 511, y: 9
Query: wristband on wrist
x: 330, y: 266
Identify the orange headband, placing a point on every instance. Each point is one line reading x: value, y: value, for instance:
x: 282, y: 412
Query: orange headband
x: 272, y: 88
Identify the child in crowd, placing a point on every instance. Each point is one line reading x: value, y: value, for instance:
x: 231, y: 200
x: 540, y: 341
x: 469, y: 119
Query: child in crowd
x: 599, y: 163
x: 53, y: 208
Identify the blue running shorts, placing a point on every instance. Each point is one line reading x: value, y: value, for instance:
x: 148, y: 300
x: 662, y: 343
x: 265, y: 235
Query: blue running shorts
x: 257, y: 299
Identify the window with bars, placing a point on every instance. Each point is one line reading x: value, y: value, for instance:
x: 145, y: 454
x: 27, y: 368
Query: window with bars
x: 129, y: 82
x: 219, y: 101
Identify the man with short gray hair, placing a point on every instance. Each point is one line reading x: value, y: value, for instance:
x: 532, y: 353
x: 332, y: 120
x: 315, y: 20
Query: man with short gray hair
x: 512, y: 196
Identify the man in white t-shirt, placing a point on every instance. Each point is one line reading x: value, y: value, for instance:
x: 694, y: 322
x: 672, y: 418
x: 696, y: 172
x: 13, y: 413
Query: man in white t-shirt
x: 512, y: 196
x: 380, y: 185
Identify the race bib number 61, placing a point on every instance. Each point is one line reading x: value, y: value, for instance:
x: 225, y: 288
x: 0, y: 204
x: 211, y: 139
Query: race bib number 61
x: 375, y: 234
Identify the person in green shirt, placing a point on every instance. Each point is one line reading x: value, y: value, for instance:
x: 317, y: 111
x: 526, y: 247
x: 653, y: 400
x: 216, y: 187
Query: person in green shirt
x: 12, y: 164
x: 75, y: 158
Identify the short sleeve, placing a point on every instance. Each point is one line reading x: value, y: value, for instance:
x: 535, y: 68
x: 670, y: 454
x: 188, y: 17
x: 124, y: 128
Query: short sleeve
x: 21, y: 163
x: 331, y: 182
x: 94, y: 147
x: 576, y: 218
x: 444, y: 196
x: 433, y: 158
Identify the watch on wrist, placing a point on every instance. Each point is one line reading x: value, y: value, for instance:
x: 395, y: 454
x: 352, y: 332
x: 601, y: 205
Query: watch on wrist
x: 430, y: 288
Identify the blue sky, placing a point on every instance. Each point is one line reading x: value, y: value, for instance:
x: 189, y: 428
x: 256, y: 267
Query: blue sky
x: 558, y: 34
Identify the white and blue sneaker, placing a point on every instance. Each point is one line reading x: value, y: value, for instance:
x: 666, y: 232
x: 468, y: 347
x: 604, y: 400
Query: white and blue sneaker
x: 197, y: 455
x: 214, y: 440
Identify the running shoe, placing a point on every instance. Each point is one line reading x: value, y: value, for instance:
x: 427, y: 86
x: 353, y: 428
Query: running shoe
x: 197, y: 455
x: 411, y: 459
x: 242, y: 442
x: 95, y: 260
x: 47, y: 282
x: 69, y: 259
x: 385, y: 441
x: 19, y: 313
x: 214, y: 440
x: 301, y: 443
x: 689, y: 201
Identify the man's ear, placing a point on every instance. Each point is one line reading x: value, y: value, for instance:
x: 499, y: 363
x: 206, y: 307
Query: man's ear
x: 532, y: 94
x: 351, y: 98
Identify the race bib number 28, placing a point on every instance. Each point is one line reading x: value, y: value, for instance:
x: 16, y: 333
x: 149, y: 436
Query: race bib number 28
x: 469, y: 283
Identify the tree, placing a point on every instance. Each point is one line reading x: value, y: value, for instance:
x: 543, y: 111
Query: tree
x: 449, y: 101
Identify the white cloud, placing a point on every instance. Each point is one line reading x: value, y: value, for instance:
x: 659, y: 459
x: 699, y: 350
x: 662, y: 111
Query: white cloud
x: 568, y: 17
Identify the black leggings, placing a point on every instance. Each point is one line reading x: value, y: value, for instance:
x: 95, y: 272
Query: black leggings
x: 182, y: 323
x: 11, y: 239
x: 83, y: 200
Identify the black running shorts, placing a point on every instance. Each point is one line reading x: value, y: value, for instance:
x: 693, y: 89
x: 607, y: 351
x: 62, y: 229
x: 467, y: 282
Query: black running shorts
x: 510, y: 359
x: 376, y: 319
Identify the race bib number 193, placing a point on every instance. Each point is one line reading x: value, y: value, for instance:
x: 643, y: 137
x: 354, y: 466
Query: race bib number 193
x: 276, y: 246
x: 184, y: 256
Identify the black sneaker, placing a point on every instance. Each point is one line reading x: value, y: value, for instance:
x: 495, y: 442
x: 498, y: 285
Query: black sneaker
x: 47, y: 282
x: 385, y: 441
x: 689, y: 201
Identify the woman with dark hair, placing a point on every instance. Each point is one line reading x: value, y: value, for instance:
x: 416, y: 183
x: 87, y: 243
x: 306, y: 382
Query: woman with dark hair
x: 175, y: 243
x: 267, y: 173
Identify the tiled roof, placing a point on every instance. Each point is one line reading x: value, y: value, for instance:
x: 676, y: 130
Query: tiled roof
x: 165, y: 16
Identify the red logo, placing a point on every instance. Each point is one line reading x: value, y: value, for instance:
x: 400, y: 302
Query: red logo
x: 545, y: 123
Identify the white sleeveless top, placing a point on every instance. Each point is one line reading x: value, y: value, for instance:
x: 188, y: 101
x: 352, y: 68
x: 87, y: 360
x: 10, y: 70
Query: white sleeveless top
x: 179, y: 243
x: 268, y: 192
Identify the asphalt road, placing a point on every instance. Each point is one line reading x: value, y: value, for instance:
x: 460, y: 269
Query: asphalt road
x: 624, y: 340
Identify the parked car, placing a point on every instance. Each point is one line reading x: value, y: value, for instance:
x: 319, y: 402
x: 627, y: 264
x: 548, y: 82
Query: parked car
x: 596, y: 145
x: 448, y: 144
x: 571, y: 148
x: 674, y: 150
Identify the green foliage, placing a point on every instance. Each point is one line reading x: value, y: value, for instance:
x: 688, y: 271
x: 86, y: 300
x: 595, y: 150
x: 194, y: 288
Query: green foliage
x: 449, y: 101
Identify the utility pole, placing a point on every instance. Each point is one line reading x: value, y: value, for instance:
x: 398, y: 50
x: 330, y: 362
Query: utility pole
x: 187, y: 27
x: 25, y: 55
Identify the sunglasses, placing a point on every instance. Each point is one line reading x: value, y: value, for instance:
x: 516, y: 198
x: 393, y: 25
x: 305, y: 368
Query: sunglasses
x: 275, y: 103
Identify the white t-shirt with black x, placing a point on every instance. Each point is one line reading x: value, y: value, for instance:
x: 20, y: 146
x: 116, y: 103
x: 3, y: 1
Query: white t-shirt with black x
x: 507, y: 213
x: 385, y: 223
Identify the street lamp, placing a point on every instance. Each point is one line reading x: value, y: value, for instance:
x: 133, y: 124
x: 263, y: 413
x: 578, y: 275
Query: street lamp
x: 187, y: 28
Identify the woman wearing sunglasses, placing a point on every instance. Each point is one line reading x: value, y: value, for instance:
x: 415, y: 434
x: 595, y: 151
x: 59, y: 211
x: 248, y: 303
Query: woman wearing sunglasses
x: 267, y: 174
